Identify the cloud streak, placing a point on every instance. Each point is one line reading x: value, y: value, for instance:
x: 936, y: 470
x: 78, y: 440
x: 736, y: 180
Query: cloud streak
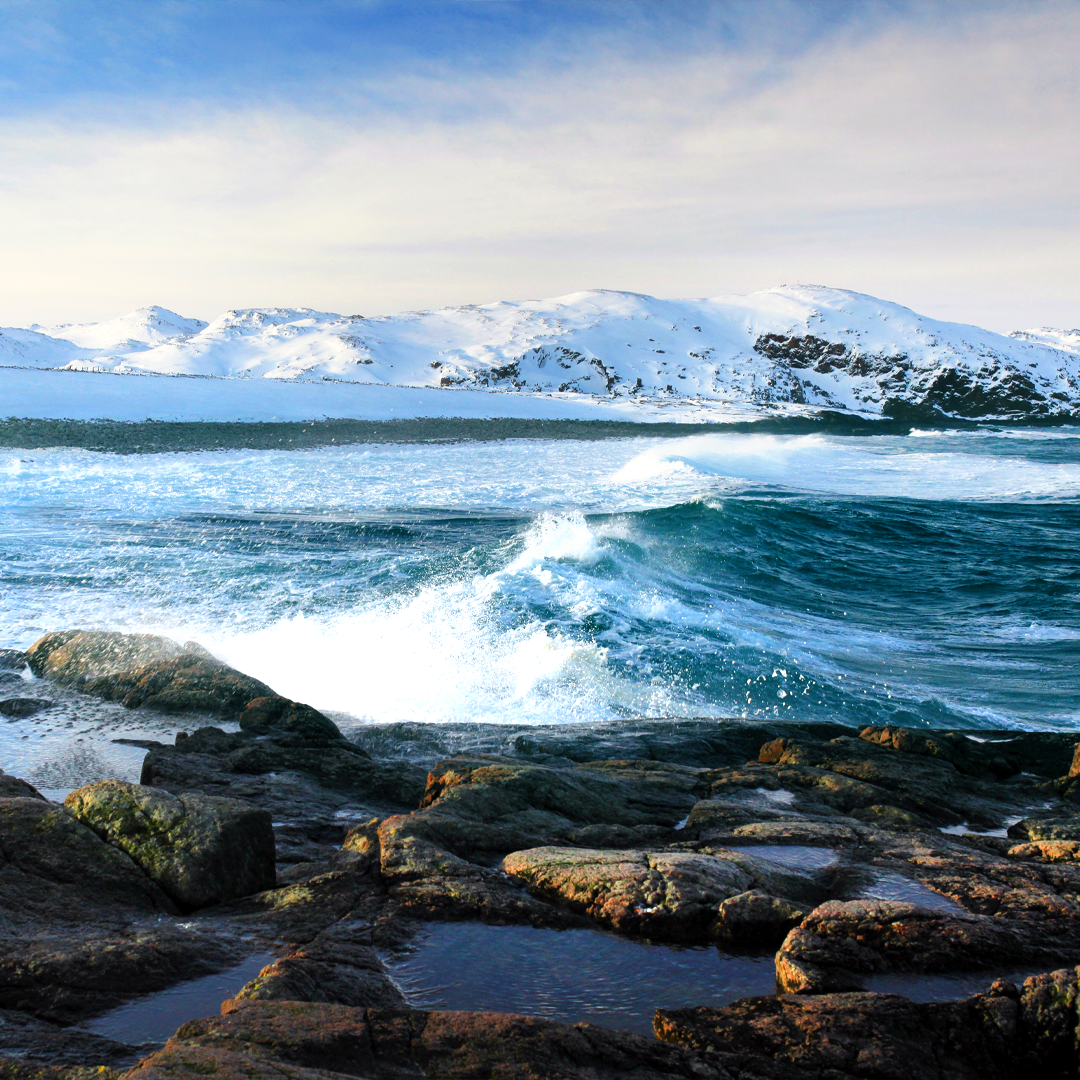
x: 924, y: 158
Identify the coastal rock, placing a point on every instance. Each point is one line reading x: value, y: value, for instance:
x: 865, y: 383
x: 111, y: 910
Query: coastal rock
x: 54, y: 868
x: 188, y: 683
x: 256, y: 1039
x: 671, y: 894
x: 754, y: 919
x: 921, y: 783
x: 70, y: 973
x: 12, y: 660
x: 144, y: 671
x: 339, y: 967
x: 69, y: 656
x: 12, y: 787
x: 426, y: 881
x: 855, y: 1035
x: 839, y: 942
x: 17, y: 708
x: 1054, y: 826
x: 1008, y: 1033
x: 200, y: 849
x: 263, y: 715
x: 33, y: 1049
x: 210, y: 755
x: 1050, y: 850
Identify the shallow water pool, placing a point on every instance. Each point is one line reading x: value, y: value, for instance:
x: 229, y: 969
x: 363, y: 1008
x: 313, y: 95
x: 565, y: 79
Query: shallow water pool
x: 152, y: 1019
x: 569, y: 975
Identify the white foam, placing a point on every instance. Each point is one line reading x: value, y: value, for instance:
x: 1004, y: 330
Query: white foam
x: 849, y: 466
x: 451, y: 652
x: 557, y: 537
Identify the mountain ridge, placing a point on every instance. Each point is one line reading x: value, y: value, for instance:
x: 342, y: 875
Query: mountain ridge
x: 801, y: 344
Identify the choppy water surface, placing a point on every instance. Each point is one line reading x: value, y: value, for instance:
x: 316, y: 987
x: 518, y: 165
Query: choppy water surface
x: 926, y: 579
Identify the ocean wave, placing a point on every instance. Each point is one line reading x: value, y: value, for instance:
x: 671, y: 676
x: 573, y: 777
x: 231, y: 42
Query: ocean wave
x: 848, y: 466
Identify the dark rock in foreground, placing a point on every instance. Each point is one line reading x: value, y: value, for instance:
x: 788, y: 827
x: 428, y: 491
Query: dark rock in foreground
x: 201, y: 849
x: 256, y: 1039
x: 858, y: 853
x: 1006, y: 1034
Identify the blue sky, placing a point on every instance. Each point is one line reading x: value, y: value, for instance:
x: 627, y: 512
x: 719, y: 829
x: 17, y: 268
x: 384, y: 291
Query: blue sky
x: 369, y: 156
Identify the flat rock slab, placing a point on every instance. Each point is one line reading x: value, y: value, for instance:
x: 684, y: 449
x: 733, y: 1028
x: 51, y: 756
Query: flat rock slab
x: 839, y: 942
x: 671, y: 893
x: 1009, y: 1033
x: 256, y: 1039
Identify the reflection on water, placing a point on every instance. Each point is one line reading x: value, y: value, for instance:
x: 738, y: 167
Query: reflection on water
x: 797, y: 856
x: 893, y: 886
x: 569, y: 975
x: 154, y: 1018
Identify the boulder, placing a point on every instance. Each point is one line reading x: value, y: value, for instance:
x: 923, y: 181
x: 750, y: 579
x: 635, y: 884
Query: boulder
x: 839, y: 943
x: 11, y: 787
x: 54, y: 867
x: 263, y: 715
x: 12, y: 660
x: 425, y: 880
x: 18, y: 708
x: 754, y: 919
x: 661, y: 893
x: 69, y: 656
x: 339, y: 967
x: 200, y: 849
x: 187, y: 683
x: 1051, y: 826
x: 144, y: 671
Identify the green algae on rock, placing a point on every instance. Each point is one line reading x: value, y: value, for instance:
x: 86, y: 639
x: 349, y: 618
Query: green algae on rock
x: 201, y: 849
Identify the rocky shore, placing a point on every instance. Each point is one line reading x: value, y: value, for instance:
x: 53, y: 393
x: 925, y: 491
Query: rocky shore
x: 852, y: 856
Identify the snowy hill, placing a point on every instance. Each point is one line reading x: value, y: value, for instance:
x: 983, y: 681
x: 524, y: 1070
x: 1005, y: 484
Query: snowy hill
x: 139, y: 329
x: 804, y: 345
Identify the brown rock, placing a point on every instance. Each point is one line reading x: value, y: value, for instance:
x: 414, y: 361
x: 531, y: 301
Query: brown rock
x: 18, y: 708
x: 54, y: 867
x: 838, y: 942
x: 339, y: 967
x: 72, y: 655
x: 858, y: 1035
x: 257, y: 1039
x: 671, y: 894
x: 263, y: 715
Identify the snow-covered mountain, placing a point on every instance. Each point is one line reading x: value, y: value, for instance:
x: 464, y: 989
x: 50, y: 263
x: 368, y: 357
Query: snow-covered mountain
x: 141, y: 329
x: 799, y: 344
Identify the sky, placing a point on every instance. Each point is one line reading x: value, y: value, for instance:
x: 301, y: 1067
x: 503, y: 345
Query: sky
x: 368, y: 156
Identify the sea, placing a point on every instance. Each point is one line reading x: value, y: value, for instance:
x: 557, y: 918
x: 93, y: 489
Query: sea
x: 929, y: 579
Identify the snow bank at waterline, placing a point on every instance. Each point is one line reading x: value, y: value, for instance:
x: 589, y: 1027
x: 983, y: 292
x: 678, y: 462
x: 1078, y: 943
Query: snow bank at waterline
x: 81, y: 395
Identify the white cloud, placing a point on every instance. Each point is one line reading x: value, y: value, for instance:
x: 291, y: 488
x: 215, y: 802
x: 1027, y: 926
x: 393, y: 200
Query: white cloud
x: 932, y: 163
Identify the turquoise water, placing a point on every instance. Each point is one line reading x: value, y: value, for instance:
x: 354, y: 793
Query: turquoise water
x: 924, y: 579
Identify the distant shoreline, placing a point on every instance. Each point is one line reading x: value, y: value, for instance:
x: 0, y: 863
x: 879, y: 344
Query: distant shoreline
x: 126, y: 437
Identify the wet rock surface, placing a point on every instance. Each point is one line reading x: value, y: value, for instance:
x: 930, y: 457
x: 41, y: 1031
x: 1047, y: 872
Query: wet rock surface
x: 855, y: 854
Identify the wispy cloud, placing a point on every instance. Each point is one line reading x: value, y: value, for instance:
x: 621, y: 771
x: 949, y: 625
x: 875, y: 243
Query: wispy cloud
x: 924, y: 153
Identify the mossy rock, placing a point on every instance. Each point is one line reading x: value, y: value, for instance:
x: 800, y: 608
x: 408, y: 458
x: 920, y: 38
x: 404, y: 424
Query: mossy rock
x: 200, y: 849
